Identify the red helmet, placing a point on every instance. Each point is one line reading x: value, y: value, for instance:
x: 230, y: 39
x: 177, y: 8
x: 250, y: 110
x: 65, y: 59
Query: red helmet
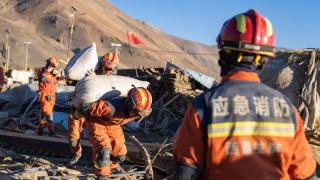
x: 141, y: 98
x: 52, y: 61
x: 248, y: 32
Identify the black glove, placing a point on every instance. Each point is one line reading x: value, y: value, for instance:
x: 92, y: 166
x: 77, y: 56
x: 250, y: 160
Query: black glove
x: 76, y: 115
x: 187, y: 172
x: 48, y: 98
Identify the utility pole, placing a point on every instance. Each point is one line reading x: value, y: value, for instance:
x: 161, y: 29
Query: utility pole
x: 27, y: 48
x: 73, y: 17
x: 7, y: 50
x: 8, y: 57
x: 117, y: 46
x: 71, y: 32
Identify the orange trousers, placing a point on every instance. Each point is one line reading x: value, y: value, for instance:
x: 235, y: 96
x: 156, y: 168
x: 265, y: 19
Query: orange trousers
x: 75, y: 127
x: 107, y: 137
x: 45, y: 105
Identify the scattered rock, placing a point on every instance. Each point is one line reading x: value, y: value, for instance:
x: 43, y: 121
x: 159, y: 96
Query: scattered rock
x: 32, y: 175
x: 69, y: 171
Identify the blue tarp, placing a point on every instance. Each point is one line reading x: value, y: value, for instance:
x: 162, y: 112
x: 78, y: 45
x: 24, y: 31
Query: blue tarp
x: 62, y: 118
x: 18, y: 99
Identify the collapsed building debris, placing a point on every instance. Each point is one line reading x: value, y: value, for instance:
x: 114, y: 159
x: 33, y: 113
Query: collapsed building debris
x: 293, y: 72
x: 172, y: 90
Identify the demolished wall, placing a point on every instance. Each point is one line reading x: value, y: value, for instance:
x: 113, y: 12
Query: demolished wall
x: 295, y: 74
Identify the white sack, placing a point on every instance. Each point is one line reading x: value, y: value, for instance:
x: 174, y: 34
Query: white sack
x: 81, y: 62
x: 93, y: 88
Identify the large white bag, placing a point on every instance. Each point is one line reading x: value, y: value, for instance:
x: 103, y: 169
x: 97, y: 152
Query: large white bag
x: 81, y: 62
x: 93, y: 88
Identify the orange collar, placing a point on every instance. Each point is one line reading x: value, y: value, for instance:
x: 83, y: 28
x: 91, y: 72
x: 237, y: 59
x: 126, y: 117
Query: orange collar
x: 242, y: 76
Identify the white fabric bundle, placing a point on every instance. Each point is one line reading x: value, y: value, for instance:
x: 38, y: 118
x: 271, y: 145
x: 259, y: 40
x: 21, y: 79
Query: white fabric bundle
x: 80, y: 63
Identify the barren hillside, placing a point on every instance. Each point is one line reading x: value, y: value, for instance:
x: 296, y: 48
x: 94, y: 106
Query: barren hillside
x: 47, y: 23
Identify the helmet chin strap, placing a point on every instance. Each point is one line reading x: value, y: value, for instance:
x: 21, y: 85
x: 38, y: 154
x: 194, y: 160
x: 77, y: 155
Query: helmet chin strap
x: 239, y: 61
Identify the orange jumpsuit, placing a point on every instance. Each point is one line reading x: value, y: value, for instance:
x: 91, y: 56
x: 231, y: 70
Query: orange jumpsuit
x: 105, y: 133
x: 243, y: 129
x: 47, y: 97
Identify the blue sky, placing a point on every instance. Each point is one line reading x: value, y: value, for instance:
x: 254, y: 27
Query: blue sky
x: 296, y: 22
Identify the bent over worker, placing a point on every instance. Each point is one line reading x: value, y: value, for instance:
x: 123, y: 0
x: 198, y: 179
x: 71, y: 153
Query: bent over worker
x: 103, y: 122
x: 47, y: 94
x: 242, y: 129
x: 107, y: 66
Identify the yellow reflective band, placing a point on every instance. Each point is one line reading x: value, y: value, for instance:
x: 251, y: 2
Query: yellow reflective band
x: 269, y: 27
x: 250, y: 128
x: 241, y: 23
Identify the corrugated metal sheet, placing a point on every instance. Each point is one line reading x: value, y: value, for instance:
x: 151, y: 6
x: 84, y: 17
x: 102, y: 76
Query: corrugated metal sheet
x: 203, y: 79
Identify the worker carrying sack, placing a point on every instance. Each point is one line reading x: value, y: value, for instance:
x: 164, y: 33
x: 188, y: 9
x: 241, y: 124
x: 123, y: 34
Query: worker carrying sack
x: 80, y: 63
x: 93, y: 88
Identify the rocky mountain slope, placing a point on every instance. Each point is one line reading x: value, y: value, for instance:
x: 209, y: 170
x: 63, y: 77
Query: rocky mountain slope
x: 47, y: 24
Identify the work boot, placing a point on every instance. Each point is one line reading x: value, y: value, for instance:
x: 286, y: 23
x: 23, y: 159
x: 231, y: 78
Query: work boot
x: 74, y: 160
x: 51, y: 128
x: 41, y: 126
x: 40, y: 131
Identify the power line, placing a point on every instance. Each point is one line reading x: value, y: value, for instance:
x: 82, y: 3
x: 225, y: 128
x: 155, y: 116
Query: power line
x: 178, y: 52
x: 173, y: 52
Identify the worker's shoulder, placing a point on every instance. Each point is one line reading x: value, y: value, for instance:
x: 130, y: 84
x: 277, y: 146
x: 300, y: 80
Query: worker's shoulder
x: 229, y: 89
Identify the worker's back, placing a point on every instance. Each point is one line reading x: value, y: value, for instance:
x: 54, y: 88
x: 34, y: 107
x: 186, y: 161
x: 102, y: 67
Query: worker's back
x: 250, y: 132
x: 243, y: 129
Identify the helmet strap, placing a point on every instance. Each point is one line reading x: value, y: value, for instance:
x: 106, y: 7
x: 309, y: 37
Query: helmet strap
x: 240, y: 57
x: 257, y: 60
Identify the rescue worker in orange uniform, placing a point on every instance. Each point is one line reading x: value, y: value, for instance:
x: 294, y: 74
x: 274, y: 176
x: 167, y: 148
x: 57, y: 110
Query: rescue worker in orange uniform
x: 107, y: 65
x: 103, y: 122
x: 242, y: 129
x: 47, y: 94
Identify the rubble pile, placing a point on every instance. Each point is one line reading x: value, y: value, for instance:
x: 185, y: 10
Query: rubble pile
x: 176, y: 91
x: 295, y: 73
x: 17, y: 166
x: 172, y: 91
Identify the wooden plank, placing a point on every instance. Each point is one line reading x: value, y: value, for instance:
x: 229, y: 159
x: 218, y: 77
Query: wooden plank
x: 53, y: 145
x: 60, y: 146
